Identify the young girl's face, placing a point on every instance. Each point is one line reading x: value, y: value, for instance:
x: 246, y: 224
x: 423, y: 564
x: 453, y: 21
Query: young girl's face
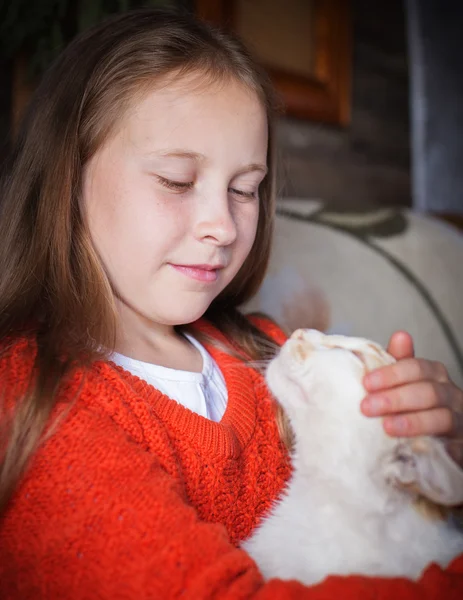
x: 171, y: 198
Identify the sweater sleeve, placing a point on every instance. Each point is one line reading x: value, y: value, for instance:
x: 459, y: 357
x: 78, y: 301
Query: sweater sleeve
x: 98, y: 517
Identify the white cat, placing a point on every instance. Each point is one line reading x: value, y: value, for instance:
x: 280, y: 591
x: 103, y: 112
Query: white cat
x: 355, y: 501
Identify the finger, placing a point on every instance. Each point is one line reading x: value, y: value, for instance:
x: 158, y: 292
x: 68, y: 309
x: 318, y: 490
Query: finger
x: 412, y: 397
x: 437, y: 421
x: 401, y: 345
x: 405, y: 371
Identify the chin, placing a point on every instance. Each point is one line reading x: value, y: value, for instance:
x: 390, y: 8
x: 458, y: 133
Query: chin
x: 184, y: 315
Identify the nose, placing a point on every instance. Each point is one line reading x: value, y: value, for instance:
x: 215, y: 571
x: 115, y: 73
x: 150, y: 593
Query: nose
x: 297, y: 351
x: 215, y: 220
x: 298, y: 334
x: 311, y: 336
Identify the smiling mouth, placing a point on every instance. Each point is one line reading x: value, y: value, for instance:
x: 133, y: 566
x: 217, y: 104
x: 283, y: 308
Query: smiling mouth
x: 205, y: 273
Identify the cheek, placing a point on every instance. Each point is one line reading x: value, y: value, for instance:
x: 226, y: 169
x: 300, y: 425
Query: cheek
x: 247, y: 221
x: 130, y: 223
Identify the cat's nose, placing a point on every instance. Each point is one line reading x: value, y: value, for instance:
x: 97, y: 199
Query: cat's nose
x: 298, y: 334
x: 300, y: 348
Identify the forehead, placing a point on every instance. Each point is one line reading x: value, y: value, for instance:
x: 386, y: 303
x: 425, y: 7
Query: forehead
x: 314, y: 347
x: 192, y: 108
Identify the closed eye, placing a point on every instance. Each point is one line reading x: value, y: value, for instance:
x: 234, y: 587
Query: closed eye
x: 177, y: 186
x: 243, y: 194
x: 184, y: 186
x: 359, y: 355
x: 356, y: 353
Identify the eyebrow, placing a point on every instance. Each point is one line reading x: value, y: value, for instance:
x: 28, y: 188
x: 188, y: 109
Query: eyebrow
x: 201, y: 158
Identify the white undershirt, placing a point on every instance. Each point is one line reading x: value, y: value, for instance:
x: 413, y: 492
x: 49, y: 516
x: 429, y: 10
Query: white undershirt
x: 204, y: 393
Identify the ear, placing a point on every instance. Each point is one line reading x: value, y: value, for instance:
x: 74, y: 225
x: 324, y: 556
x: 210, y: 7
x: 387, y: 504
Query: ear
x: 423, y: 467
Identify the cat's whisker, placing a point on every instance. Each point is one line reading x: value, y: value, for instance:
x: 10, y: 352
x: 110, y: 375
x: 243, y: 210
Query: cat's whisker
x: 251, y: 365
x: 258, y: 364
x: 262, y: 385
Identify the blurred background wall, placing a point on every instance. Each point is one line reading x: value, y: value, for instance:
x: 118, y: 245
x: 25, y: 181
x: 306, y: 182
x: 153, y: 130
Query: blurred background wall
x: 403, y: 144
x: 368, y: 162
x: 435, y: 33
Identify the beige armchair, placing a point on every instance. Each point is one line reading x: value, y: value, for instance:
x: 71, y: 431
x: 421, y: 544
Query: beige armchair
x: 368, y: 274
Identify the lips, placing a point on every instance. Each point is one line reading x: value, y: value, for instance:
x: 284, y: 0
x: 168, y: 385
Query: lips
x: 204, y: 267
x: 207, y: 273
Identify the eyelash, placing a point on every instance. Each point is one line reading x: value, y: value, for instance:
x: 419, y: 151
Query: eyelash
x: 180, y: 186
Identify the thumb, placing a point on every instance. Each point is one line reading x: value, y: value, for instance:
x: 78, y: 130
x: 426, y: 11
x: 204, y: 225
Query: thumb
x: 401, y: 345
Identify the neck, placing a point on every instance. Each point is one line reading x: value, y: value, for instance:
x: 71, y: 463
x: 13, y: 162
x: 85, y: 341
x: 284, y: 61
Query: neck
x: 142, y: 338
x: 322, y: 454
x: 339, y: 481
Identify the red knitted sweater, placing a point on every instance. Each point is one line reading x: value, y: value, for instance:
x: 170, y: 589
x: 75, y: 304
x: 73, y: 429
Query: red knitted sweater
x: 136, y: 497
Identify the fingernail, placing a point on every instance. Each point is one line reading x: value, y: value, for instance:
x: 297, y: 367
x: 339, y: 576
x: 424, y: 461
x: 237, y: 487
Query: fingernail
x: 374, y: 405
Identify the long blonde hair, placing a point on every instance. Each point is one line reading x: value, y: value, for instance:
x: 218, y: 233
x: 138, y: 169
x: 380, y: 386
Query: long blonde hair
x: 52, y: 283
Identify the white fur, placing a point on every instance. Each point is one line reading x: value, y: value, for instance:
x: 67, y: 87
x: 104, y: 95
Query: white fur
x: 345, y: 509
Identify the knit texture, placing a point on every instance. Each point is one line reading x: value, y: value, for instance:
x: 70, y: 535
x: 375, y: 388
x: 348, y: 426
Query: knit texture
x: 136, y: 497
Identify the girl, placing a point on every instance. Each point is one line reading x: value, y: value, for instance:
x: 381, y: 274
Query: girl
x: 139, y: 448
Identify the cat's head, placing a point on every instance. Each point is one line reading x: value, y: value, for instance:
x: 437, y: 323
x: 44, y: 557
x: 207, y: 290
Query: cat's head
x: 317, y: 379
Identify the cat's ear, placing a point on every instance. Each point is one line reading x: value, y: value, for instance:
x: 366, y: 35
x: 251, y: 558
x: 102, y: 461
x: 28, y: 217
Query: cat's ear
x: 423, y: 467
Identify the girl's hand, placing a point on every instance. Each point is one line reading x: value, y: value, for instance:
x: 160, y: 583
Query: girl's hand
x: 416, y: 397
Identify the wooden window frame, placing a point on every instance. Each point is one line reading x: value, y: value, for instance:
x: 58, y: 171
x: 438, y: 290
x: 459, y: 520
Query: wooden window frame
x: 325, y: 97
